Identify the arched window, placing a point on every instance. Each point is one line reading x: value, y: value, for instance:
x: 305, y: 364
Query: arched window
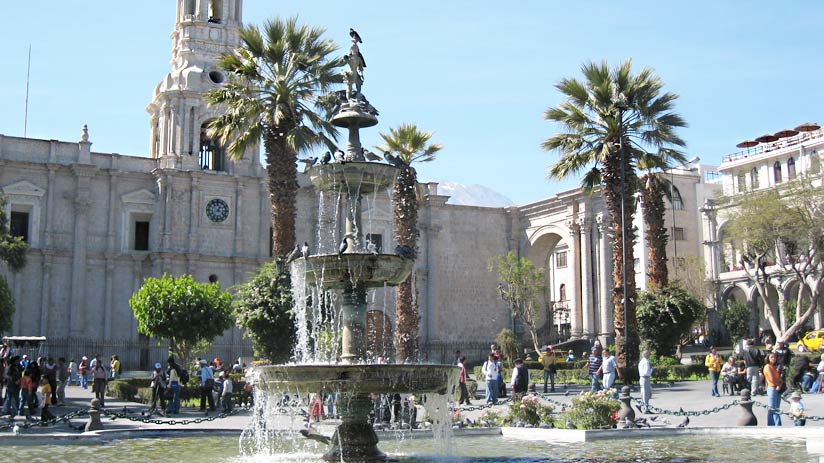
x: 211, y: 153
x: 754, y: 178
x: 742, y: 182
x: 777, y: 172
x: 215, y: 11
x: 189, y: 8
x: 791, y: 168
x: 677, y: 201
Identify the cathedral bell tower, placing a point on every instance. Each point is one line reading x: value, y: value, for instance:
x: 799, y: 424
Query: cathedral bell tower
x: 204, y: 29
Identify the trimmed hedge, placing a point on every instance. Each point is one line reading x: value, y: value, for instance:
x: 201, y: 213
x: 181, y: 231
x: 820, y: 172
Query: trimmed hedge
x: 569, y: 374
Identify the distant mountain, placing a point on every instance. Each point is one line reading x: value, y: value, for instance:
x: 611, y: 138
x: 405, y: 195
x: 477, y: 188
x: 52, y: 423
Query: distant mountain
x: 472, y: 195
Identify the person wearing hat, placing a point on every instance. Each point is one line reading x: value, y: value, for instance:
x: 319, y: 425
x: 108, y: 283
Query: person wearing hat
x: 207, y: 383
x: 548, y: 360
x: 797, y: 409
x: 158, y: 386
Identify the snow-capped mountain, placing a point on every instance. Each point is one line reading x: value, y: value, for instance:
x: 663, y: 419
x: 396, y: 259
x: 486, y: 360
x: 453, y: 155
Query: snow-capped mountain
x: 472, y: 195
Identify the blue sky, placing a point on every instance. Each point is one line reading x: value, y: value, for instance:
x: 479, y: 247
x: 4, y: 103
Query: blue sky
x: 479, y: 74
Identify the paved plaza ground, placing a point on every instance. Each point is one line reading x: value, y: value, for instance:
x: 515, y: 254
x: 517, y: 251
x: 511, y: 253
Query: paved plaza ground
x: 689, y: 395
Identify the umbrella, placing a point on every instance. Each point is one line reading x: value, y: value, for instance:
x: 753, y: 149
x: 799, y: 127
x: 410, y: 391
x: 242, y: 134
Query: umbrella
x: 746, y: 144
x: 808, y: 127
x: 786, y: 133
x: 766, y: 138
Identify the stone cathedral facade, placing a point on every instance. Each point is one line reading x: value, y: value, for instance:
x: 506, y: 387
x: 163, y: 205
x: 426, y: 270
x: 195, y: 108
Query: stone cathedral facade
x: 99, y: 223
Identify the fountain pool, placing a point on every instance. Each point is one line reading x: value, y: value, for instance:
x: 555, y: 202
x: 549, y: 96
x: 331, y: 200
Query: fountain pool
x: 487, y: 449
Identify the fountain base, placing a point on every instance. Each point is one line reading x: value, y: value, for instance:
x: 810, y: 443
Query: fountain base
x: 355, y: 441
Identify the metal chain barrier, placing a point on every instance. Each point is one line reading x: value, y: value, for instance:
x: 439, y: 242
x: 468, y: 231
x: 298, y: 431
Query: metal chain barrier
x: 472, y: 408
x: 182, y: 422
x: 682, y: 412
x: 53, y: 421
x: 787, y: 413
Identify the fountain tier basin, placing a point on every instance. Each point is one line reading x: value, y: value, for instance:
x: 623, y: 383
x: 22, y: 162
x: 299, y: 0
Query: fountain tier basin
x: 357, y: 379
x: 367, y: 270
x: 353, y: 177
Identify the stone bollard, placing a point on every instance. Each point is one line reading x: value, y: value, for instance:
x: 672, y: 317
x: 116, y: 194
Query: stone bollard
x: 747, y: 418
x: 625, y: 413
x: 94, y: 423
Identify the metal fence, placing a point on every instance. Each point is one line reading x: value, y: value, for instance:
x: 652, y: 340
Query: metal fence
x: 133, y: 354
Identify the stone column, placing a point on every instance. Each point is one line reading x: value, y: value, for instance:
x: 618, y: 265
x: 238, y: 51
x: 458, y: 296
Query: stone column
x: 575, y: 315
x: 48, y: 228
x: 45, y: 294
x: 109, y: 297
x: 587, y: 308
x: 111, y: 233
x: 82, y: 203
x: 194, y: 213
x: 353, y: 308
x: 605, y: 282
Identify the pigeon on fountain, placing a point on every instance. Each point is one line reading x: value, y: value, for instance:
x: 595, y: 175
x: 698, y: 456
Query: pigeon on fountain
x: 405, y: 252
x: 314, y: 435
x: 370, y: 156
x: 308, y: 162
x: 293, y: 255
x: 394, y: 160
x: 359, y: 156
x: 344, y: 245
x: 640, y: 410
x: 304, y: 250
x: 371, y: 247
x: 684, y: 423
x: 339, y: 156
x: 327, y: 156
x: 16, y: 429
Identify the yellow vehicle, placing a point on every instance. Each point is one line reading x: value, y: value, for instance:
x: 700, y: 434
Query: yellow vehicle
x: 812, y: 341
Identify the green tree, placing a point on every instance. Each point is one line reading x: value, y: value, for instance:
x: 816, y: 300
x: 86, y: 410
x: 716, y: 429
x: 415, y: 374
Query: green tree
x: 6, y: 306
x: 508, y: 344
x: 736, y: 317
x: 410, y: 145
x: 611, y: 110
x: 790, y: 312
x: 521, y: 285
x: 181, y: 310
x: 665, y: 317
x: 263, y: 307
x: 782, y: 236
x: 278, y: 89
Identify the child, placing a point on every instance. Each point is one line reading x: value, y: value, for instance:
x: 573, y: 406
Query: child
x: 44, y: 399
x: 316, y: 406
x: 797, y: 409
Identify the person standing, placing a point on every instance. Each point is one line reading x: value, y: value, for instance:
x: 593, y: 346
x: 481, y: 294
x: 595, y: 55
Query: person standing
x: 99, y: 375
x: 644, y: 375
x: 158, y: 386
x: 753, y: 359
x: 548, y: 360
x: 610, y: 369
x: 713, y: 362
x: 50, y: 373
x: 797, y: 409
x: 594, y: 369
x: 11, y: 376
x: 63, y: 380
x: 174, y: 385
x: 772, y: 378
x: 207, y: 383
x: 226, y: 393
x: 73, y: 373
x: 464, y: 397
x: 520, y: 378
x: 115, y: 367
x: 82, y: 369
x: 803, y: 377
x: 490, y: 370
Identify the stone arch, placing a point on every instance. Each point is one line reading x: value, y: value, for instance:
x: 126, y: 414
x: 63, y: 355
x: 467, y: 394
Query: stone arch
x: 212, y: 152
x: 731, y: 250
x: 545, y: 251
x: 378, y: 334
x: 735, y: 293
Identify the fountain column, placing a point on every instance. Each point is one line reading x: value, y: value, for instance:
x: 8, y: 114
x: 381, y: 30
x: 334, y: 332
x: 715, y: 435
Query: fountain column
x: 353, y: 337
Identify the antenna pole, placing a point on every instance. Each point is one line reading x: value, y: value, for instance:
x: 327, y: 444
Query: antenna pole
x: 26, y: 114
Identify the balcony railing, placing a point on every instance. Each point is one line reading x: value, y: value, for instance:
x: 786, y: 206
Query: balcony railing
x: 777, y: 145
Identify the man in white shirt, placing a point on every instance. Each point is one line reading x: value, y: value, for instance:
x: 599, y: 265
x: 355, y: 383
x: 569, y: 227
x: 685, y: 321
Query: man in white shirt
x: 609, y: 368
x: 644, y: 373
x: 490, y: 373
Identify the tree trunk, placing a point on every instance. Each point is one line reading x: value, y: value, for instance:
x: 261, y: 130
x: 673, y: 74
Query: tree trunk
x: 405, y: 207
x: 626, y: 348
x: 652, y: 199
x: 283, y: 189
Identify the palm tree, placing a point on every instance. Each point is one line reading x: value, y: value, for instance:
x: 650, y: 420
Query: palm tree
x: 279, y: 82
x: 410, y: 145
x: 613, y: 109
x: 654, y: 187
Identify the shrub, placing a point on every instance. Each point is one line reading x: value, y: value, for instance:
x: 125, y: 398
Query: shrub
x: 490, y: 417
x: 528, y: 409
x: 594, y: 410
x: 121, y: 390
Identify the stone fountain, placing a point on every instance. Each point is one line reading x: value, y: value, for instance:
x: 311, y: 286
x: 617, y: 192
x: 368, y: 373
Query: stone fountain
x: 351, y: 273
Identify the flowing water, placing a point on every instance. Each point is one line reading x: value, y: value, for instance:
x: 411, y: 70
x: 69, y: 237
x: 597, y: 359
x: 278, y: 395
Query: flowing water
x: 464, y: 450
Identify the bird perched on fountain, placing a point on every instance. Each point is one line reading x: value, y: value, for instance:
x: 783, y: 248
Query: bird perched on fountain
x: 370, y: 156
x: 16, y: 429
x: 359, y: 156
x: 344, y: 245
x: 405, y: 252
x: 394, y: 160
x: 371, y: 247
x: 327, y: 156
x: 340, y: 156
x: 304, y: 250
x: 293, y: 255
x: 355, y: 36
x: 684, y: 423
x: 308, y: 162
